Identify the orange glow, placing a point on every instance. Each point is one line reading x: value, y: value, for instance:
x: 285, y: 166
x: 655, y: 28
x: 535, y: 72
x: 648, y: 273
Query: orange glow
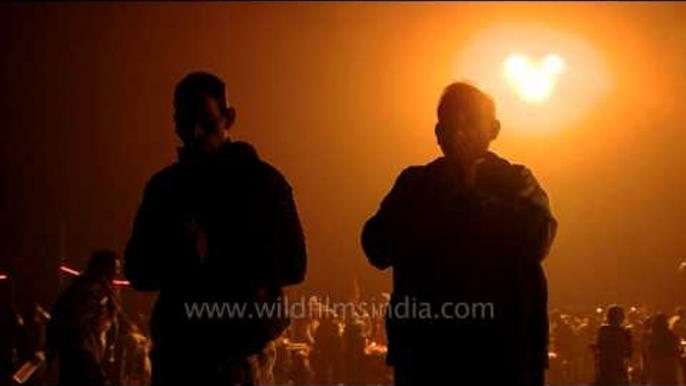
x: 543, y: 80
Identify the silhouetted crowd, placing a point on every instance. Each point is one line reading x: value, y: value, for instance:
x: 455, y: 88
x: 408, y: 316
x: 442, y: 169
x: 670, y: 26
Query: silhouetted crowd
x: 617, y: 347
x: 322, y: 347
x: 602, y: 347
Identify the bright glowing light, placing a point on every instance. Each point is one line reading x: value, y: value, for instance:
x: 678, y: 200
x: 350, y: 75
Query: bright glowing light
x: 3, y: 277
x: 553, y: 64
x: 542, y: 79
x: 70, y: 271
x: 516, y: 65
x: 534, y: 82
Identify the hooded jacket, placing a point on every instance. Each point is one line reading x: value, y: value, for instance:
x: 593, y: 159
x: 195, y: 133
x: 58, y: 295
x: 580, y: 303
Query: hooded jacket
x: 217, y: 233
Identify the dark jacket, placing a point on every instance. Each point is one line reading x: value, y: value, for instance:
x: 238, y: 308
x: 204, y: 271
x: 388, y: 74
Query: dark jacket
x: 613, y: 350
x: 450, y: 247
x: 253, y: 245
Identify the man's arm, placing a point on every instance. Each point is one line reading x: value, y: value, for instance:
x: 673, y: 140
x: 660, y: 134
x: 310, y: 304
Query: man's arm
x: 538, y: 225
x: 282, y: 240
x: 142, y: 257
x: 291, y: 255
x: 384, y: 233
x: 527, y: 216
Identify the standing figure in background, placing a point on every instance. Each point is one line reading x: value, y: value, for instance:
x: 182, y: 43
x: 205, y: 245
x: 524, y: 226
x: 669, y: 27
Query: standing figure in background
x: 354, y: 342
x: 640, y: 341
x: 327, y: 348
x: 81, y: 319
x: 563, y: 338
x: 586, y: 332
x: 663, y: 354
x: 613, y: 348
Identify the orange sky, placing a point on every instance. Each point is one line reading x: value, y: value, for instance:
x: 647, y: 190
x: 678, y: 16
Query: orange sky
x: 341, y: 97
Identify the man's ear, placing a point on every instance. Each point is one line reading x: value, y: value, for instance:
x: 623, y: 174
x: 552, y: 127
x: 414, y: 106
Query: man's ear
x: 230, y: 114
x: 438, y: 130
x: 177, y: 128
x: 496, y: 129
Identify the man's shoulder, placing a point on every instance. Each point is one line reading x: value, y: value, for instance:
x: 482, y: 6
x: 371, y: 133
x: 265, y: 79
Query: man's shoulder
x: 409, y: 177
x: 412, y: 172
x: 163, y: 178
x: 418, y: 172
x: 239, y: 159
x: 496, y: 159
x: 255, y: 168
x: 165, y: 173
x: 516, y: 176
x: 270, y: 174
x: 416, y: 177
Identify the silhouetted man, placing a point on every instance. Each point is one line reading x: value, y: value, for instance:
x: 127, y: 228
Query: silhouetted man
x: 327, y: 349
x: 80, y: 321
x: 663, y: 359
x: 613, y: 349
x: 219, y: 228
x: 465, y: 235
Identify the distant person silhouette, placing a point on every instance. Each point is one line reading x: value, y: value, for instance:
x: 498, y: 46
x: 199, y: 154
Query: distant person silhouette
x: 614, y: 348
x: 663, y: 354
x: 468, y: 229
x: 353, y: 345
x: 80, y: 322
x: 219, y: 227
x: 326, y: 355
x: 563, y: 339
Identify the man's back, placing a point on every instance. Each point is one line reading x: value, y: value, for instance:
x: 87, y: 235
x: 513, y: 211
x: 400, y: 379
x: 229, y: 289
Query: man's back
x: 74, y: 331
x: 613, y: 349
x: 467, y: 260
x: 76, y: 310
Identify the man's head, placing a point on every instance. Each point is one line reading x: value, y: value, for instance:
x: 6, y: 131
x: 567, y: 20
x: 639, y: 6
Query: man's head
x: 465, y: 115
x: 201, y: 113
x: 615, y: 315
x: 104, y: 264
